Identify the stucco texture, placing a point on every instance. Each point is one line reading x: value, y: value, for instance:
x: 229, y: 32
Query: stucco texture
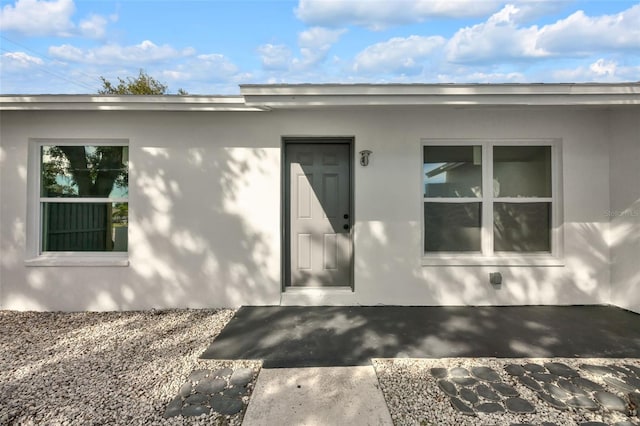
x: 205, y: 208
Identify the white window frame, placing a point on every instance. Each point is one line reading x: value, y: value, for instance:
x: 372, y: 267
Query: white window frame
x: 487, y: 256
x: 35, y: 256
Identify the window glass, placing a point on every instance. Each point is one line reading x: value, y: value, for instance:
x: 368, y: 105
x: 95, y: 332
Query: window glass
x: 452, y: 227
x: 83, y: 198
x: 522, y: 227
x: 84, y: 226
x: 84, y: 171
x: 452, y: 171
x: 522, y: 171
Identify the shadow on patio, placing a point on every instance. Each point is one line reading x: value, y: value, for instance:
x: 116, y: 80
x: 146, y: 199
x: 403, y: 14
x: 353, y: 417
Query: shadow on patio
x: 342, y: 336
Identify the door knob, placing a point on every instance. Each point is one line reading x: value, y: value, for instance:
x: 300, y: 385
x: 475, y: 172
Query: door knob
x: 346, y: 216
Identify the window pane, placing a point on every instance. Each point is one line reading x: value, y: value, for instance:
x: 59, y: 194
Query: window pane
x: 84, y: 171
x: 522, y: 227
x: 85, y: 226
x: 522, y: 171
x: 452, y: 227
x: 452, y: 171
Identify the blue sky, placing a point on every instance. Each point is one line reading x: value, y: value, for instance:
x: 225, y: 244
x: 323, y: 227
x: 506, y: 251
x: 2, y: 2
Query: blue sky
x: 210, y: 47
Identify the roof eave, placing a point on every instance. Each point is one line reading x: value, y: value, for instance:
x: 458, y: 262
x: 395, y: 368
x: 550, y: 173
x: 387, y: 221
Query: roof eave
x: 283, y: 96
x: 266, y: 97
x: 124, y: 103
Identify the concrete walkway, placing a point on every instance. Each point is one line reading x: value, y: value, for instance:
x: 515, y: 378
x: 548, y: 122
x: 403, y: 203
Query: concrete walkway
x: 331, y: 336
x: 317, y: 396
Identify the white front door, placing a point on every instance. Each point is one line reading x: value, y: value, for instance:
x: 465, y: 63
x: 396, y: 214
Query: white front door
x: 318, y: 214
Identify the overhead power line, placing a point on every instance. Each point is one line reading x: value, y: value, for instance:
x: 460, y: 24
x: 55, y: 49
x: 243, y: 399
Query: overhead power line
x: 47, y: 69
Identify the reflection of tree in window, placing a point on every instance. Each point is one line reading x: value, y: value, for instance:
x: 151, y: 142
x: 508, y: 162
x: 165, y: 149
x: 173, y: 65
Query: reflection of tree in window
x: 77, y: 171
x: 84, y: 171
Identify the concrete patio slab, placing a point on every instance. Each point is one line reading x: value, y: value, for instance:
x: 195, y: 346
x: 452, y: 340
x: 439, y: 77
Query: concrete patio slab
x: 317, y: 396
x: 293, y: 336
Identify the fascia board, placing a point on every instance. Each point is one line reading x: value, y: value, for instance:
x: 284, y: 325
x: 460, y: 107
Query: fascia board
x: 493, y: 95
x: 125, y: 103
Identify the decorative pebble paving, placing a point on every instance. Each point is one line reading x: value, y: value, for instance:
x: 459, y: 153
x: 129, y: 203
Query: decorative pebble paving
x: 481, y: 389
x: 219, y: 390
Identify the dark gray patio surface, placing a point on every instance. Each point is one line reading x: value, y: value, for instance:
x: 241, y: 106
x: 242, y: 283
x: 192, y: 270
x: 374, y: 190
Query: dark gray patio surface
x: 341, y: 336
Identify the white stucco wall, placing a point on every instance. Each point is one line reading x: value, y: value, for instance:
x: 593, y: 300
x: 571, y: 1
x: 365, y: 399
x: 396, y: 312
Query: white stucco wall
x: 205, y: 208
x: 625, y: 210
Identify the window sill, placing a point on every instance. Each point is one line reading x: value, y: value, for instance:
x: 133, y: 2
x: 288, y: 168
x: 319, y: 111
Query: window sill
x: 533, y: 260
x: 78, y: 260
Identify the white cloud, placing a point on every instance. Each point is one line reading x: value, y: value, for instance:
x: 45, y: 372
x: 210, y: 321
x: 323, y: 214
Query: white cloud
x: 50, y: 18
x: 143, y: 53
x: 206, y: 73
x: 314, y: 45
x: 212, y: 67
x: 582, y: 34
x: 482, y: 77
x: 12, y: 61
x: 602, y: 67
x: 397, y: 55
x: 498, y: 38
x: 38, y: 17
x: 94, y: 27
x: 502, y: 38
x: 381, y: 14
x: 275, y: 56
x: 602, y: 70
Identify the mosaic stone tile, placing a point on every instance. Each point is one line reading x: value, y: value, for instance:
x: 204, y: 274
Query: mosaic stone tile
x: 556, y: 391
x: 545, y: 377
x: 464, y: 381
x: 530, y: 383
x: 468, y: 395
x: 505, y: 389
x: 197, y: 375
x: 439, y: 373
x: 515, y: 370
x: 486, y: 374
x: 598, y: 370
x: 448, y: 387
x: 581, y: 401
x: 519, y: 405
x: 490, y: 407
x: 586, y: 384
x: 618, y: 384
x: 571, y: 388
x: 610, y: 401
x: 459, y: 372
x: 554, y: 402
x: 487, y: 393
x: 462, y: 407
x: 560, y: 369
x: 195, y: 410
x: 533, y: 368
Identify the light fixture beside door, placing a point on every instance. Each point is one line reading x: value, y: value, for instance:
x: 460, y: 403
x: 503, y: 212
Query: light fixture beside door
x: 364, y: 157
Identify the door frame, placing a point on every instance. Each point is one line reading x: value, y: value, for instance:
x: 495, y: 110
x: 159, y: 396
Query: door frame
x: 285, y: 250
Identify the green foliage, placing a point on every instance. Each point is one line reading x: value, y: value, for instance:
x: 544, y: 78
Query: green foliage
x: 144, y: 84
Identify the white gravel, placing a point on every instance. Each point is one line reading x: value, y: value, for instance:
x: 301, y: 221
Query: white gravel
x: 104, y: 368
x: 414, y: 398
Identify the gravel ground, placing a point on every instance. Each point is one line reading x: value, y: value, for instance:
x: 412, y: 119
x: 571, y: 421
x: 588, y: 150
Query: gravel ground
x: 414, y: 398
x: 125, y: 367
x: 104, y: 368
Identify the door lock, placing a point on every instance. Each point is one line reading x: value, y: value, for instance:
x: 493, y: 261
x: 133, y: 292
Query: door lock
x: 345, y: 226
x: 346, y: 216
